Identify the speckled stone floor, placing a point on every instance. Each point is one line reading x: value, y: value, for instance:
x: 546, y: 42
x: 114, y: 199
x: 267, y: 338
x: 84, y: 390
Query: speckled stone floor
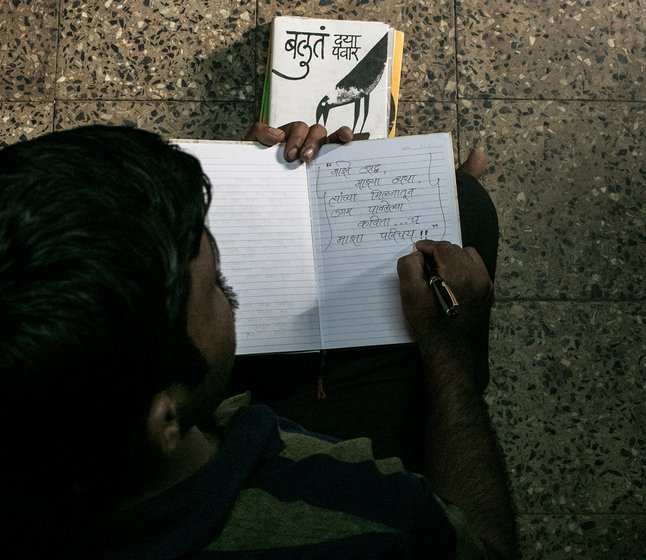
x: 555, y: 91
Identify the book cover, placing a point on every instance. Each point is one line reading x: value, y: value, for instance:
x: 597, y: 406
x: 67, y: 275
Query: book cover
x: 332, y: 72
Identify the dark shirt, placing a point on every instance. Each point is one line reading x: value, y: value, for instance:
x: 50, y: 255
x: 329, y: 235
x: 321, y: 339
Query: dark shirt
x: 274, y: 490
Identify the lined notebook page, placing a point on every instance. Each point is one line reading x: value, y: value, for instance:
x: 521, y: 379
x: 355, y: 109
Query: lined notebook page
x: 261, y: 222
x: 372, y: 200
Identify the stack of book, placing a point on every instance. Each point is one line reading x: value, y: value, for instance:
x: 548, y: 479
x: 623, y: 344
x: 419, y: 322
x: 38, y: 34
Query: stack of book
x: 333, y: 72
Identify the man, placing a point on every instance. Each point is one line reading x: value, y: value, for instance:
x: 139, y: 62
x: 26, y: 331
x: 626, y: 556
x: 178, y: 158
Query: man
x: 117, y: 343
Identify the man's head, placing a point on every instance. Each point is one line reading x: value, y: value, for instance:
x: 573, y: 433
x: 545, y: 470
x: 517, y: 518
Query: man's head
x: 108, y: 296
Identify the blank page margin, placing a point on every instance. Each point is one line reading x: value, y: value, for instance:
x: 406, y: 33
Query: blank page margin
x: 259, y: 216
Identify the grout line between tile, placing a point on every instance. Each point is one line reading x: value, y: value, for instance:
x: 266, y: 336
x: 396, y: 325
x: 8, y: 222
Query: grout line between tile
x: 559, y: 99
x: 145, y: 100
x: 222, y: 100
x: 235, y: 100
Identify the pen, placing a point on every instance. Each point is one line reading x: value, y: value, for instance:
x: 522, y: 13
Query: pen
x: 444, y: 294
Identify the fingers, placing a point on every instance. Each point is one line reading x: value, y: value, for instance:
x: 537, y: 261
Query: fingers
x: 417, y: 299
x: 267, y: 135
x: 462, y: 270
x: 410, y: 267
x: 453, y: 263
x: 341, y: 136
x: 413, y: 285
x: 483, y: 275
x: 473, y: 255
x: 303, y: 142
x: 440, y: 252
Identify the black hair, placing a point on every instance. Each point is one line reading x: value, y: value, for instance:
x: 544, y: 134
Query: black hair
x: 97, y: 227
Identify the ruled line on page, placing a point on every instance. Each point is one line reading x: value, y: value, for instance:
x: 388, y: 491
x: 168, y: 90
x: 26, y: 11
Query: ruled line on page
x: 259, y: 216
x: 372, y: 201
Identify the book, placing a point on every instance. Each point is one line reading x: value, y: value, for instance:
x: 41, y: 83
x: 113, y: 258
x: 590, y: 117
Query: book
x: 343, y: 71
x: 395, y: 81
x: 311, y: 250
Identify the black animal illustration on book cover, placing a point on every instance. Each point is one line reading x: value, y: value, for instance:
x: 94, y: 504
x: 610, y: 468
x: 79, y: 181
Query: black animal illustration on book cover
x: 357, y: 85
x: 309, y: 56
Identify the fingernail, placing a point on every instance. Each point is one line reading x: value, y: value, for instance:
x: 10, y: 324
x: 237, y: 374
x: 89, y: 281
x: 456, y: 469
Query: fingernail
x: 292, y: 154
x: 275, y: 132
x: 308, y: 153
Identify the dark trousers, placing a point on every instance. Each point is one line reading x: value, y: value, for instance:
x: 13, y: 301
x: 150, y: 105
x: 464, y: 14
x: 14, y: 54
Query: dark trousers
x: 375, y: 392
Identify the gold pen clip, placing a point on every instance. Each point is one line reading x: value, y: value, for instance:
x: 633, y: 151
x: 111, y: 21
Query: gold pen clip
x: 445, y: 296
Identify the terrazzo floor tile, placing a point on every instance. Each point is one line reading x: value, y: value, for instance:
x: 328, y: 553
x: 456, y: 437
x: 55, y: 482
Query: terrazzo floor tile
x: 568, y: 392
x: 27, y: 49
x: 429, y: 63
x: 567, y: 399
x: 171, y: 119
x: 585, y: 537
x: 567, y: 179
x: 551, y: 50
x: 23, y: 121
x: 167, y: 49
x: 416, y: 117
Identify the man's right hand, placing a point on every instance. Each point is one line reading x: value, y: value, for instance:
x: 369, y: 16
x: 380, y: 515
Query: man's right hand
x: 466, y: 275
x: 462, y: 459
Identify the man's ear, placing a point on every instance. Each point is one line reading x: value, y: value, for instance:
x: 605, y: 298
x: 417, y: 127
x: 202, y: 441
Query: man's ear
x: 163, y: 424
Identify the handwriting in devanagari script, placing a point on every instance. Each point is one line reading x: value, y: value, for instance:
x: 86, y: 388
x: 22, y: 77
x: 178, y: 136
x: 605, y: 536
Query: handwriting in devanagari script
x: 378, y: 202
x: 339, y: 168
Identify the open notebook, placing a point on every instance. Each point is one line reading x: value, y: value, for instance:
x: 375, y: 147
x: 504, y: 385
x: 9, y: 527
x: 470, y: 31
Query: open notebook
x: 311, y: 250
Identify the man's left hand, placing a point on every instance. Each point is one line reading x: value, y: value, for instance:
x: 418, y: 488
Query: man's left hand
x: 301, y: 141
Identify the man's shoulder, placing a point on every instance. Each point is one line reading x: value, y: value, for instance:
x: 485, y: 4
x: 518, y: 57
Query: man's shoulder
x: 335, y: 497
